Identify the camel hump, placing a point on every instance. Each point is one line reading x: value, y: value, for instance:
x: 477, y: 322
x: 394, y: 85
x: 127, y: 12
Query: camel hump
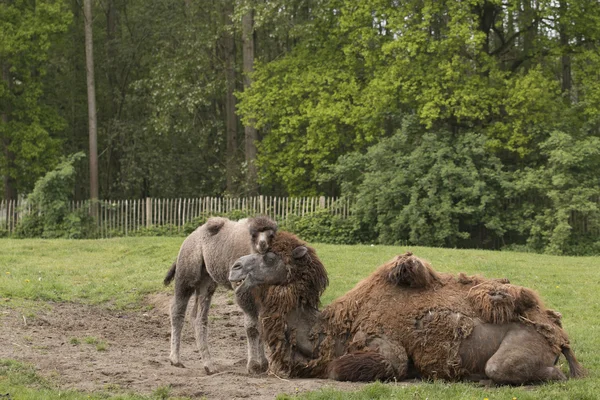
x: 499, y: 303
x: 214, y: 225
x: 409, y: 270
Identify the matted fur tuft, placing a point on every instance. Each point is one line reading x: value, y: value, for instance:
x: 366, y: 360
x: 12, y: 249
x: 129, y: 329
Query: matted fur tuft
x: 413, y: 272
x: 499, y: 303
x: 493, y: 302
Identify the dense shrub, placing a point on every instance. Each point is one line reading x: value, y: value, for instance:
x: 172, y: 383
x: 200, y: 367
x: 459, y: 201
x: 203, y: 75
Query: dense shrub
x: 440, y: 188
x: 51, y: 216
x: 563, y: 193
x: 428, y: 189
x: 324, y: 227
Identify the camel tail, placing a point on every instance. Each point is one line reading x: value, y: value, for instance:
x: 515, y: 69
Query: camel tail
x: 577, y: 371
x: 170, y: 274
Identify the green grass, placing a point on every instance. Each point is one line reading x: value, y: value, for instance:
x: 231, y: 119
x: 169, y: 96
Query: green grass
x: 118, y: 273
x: 23, y: 383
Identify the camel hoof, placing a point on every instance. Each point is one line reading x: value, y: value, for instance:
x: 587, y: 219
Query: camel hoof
x: 177, y: 364
x: 209, y: 369
x: 255, y: 368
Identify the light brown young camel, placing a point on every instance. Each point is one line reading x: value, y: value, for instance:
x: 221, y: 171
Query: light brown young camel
x: 404, y: 320
x: 203, y: 263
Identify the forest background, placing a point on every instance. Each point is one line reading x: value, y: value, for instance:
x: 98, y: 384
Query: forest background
x: 446, y: 123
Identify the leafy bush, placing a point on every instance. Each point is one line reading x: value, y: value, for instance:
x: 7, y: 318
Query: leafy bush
x: 323, y: 227
x: 563, y: 192
x: 428, y: 188
x: 51, y: 216
x: 157, y: 230
x: 440, y: 188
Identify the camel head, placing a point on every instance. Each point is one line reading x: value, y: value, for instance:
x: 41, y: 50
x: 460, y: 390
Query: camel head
x: 262, y: 230
x: 290, y: 269
x: 261, y: 269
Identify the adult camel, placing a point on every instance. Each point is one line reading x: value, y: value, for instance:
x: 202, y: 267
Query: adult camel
x: 404, y: 320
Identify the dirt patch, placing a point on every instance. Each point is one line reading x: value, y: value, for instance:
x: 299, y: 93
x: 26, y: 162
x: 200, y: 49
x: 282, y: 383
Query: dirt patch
x: 90, y: 348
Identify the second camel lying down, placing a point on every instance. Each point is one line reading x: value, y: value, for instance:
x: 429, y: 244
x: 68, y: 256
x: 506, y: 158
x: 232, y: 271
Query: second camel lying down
x: 405, y: 320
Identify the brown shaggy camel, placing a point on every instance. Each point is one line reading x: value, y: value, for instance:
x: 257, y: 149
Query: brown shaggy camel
x: 404, y: 320
x: 203, y: 262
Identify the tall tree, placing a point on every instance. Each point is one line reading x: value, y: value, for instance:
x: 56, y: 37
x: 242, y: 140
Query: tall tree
x: 10, y: 187
x: 230, y: 114
x: 28, y: 126
x: 91, y: 91
x: 250, y: 132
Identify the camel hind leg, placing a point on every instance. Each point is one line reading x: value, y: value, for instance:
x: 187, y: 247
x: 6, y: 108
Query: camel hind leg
x: 524, y: 356
x: 179, y: 305
x: 204, y: 294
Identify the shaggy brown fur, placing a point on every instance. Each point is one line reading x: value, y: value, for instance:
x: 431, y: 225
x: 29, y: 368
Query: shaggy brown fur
x: 408, y: 271
x: 407, y: 312
x: 307, y: 282
x: 361, y: 366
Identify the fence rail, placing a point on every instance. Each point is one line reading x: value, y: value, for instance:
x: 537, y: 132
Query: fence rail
x: 122, y: 217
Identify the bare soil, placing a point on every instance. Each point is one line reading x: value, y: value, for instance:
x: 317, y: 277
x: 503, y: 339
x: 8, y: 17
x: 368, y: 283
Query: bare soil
x: 90, y: 348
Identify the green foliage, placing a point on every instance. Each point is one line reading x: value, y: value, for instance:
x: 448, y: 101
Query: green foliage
x: 28, y: 126
x: 425, y: 188
x: 51, y: 216
x: 438, y: 189
x: 322, y: 226
x: 567, y: 191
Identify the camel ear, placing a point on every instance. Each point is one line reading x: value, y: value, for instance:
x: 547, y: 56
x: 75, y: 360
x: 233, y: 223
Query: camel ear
x: 299, y: 252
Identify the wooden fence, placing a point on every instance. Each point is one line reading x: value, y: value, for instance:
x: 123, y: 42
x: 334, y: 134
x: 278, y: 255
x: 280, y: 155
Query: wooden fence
x: 123, y: 217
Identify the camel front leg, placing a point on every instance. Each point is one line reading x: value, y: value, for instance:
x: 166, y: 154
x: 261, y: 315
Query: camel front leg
x: 204, y: 295
x: 257, y: 361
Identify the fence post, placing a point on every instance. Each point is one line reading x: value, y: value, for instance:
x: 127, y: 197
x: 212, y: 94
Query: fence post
x: 148, y: 212
x: 261, y: 204
x: 322, y: 201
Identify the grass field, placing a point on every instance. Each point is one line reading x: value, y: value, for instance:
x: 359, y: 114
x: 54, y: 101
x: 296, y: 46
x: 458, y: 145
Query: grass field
x: 118, y: 273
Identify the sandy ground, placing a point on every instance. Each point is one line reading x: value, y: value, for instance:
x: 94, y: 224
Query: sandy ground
x: 137, y: 351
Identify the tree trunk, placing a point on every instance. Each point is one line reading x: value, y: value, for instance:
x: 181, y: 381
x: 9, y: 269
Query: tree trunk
x: 111, y: 29
x: 10, y: 183
x: 566, y: 57
x: 230, y: 115
x: 91, y: 91
x: 249, y: 130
